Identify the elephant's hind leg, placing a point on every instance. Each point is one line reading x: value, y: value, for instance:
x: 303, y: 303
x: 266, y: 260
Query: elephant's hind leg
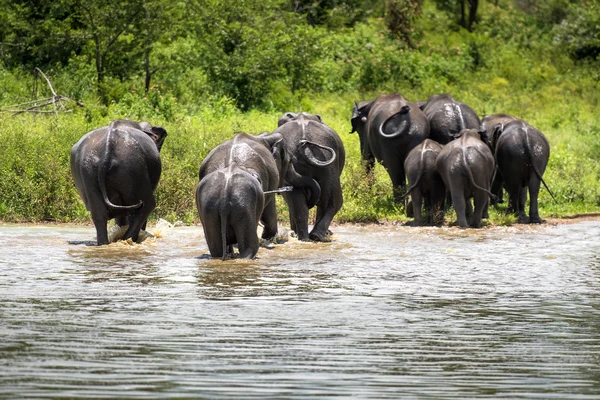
x: 269, y: 220
x: 101, y: 230
x: 332, y: 203
x: 534, y: 190
x: 99, y: 216
x: 417, y: 201
x: 138, y: 219
x: 298, y: 213
x: 460, y: 206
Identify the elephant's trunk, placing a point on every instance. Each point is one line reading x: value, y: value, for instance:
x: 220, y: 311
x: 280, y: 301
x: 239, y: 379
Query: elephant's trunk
x: 303, y: 181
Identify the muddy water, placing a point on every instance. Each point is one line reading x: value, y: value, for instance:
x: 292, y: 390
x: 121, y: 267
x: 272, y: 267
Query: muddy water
x: 381, y: 312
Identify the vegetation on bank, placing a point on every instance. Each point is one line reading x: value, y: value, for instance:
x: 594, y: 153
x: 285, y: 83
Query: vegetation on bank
x: 514, y: 61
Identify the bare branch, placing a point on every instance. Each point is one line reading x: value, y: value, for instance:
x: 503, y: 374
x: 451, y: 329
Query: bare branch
x: 47, y: 80
x: 36, y: 105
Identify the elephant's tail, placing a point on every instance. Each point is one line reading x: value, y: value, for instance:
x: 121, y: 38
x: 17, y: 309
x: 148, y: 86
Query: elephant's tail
x: 223, y: 216
x: 535, y: 168
x: 104, y: 166
x: 224, y: 209
x: 468, y: 168
x: 419, y: 174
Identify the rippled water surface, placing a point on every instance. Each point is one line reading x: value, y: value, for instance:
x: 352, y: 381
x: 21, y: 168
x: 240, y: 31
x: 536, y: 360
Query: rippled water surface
x: 381, y: 312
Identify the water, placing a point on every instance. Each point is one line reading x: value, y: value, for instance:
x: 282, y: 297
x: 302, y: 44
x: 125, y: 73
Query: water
x: 381, y: 312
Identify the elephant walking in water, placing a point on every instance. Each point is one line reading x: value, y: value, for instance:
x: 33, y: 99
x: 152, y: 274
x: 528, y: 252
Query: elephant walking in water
x: 116, y: 170
x: 237, y: 179
x: 317, y: 153
x: 466, y: 166
x: 521, y: 154
x: 389, y: 127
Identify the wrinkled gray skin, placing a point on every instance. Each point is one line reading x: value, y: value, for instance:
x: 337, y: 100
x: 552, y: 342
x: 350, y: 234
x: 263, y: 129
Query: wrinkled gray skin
x: 521, y: 154
x: 317, y: 152
x: 116, y: 169
x: 425, y: 183
x: 447, y: 117
x: 389, y: 127
x: 264, y: 162
x: 466, y: 166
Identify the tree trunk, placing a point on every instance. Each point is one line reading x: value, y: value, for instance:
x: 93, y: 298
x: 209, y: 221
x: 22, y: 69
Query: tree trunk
x: 472, y: 13
x: 463, y: 23
x: 147, y: 50
x: 99, y: 66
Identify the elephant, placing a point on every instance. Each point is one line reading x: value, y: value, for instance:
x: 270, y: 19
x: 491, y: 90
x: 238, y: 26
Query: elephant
x: 265, y: 163
x: 426, y: 184
x: 389, y: 127
x: 230, y: 202
x: 447, y: 117
x: 317, y: 152
x: 466, y: 166
x: 116, y: 170
x: 521, y: 153
x: 488, y: 123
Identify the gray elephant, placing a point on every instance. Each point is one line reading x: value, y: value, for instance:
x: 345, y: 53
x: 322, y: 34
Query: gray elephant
x: 447, y: 117
x: 116, y: 170
x: 230, y: 202
x: 426, y: 184
x: 521, y: 154
x: 389, y: 127
x: 466, y: 166
x: 226, y: 205
x: 317, y: 152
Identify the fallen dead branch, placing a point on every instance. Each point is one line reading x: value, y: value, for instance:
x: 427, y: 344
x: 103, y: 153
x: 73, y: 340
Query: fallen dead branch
x: 37, y: 106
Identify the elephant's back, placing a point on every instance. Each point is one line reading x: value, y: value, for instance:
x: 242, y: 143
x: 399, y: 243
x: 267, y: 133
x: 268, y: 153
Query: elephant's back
x: 522, y: 144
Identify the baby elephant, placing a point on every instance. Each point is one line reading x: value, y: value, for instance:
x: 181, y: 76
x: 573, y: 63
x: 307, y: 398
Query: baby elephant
x: 116, y: 169
x: 466, y: 166
x: 230, y: 202
x: 426, y: 184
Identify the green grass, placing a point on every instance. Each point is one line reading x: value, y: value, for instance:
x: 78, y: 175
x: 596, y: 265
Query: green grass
x: 36, y: 185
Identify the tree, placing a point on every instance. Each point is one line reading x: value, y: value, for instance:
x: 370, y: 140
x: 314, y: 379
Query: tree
x: 460, y: 7
x: 37, y: 33
x: 400, y: 18
x: 107, y: 23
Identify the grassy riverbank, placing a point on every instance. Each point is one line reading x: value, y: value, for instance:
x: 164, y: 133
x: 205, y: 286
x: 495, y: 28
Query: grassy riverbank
x: 35, y: 181
x: 510, y: 63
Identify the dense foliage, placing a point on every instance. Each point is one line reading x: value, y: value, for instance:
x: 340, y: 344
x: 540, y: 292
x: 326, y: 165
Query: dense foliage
x: 207, y: 68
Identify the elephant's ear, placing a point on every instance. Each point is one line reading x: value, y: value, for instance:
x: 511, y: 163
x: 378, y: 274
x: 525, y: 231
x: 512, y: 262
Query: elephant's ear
x: 287, y: 117
x: 496, y: 132
x: 156, y: 133
x: 483, y: 134
x: 360, y: 112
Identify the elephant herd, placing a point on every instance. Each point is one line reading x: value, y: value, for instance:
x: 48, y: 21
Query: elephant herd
x: 448, y: 153
x: 441, y: 146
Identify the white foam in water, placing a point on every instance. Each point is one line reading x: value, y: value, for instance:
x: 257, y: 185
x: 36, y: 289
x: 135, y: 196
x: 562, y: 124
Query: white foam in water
x: 116, y: 233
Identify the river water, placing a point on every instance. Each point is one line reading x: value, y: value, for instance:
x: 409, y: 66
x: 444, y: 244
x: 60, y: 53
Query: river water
x: 382, y: 312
